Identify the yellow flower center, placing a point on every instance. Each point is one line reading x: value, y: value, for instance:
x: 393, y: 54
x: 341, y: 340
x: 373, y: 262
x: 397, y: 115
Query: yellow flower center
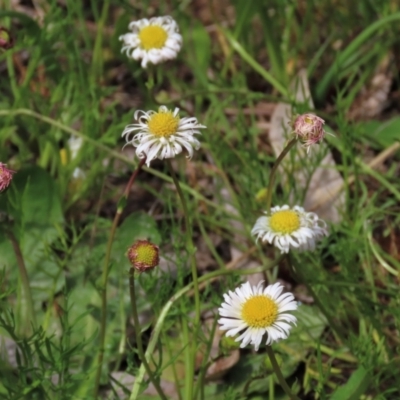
x: 259, y: 311
x: 163, y: 124
x: 143, y: 255
x: 146, y: 254
x: 284, y: 221
x: 152, y: 37
x: 308, y: 120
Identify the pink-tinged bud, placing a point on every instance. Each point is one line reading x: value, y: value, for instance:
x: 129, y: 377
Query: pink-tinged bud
x: 143, y: 255
x: 6, y: 176
x: 6, y: 40
x: 309, y: 129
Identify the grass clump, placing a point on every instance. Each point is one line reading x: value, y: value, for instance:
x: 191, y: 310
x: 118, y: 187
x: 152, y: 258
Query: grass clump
x: 77, y: 200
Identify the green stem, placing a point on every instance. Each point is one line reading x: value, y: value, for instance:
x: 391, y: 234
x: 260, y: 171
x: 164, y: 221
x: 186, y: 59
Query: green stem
x: 274, y: 170
x: 271, y: 391
x: 191, y: 250
x: 138, y: 334
x: 157, y: 328
x: 104, y: 276
x: 205, y: 364
x: 174, y: 366
x: 279, y: 374
x: 97, y: 60
x: 150, y: 84
x: 29, y: 314
x: 188, y: 353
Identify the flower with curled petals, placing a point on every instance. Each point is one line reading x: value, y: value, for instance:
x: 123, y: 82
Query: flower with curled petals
x: 6, y: 176
x: 255, y: 311
x: 309, y: 129
x: 162, y: 134
x: 290, y: 228
x: 153, y: 40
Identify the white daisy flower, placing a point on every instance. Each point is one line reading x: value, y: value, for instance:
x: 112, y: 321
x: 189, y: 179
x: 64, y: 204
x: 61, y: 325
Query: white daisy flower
x: 162, y: 134
x: 153, y: 40
x: 257, y: 311
x: 290, y: 228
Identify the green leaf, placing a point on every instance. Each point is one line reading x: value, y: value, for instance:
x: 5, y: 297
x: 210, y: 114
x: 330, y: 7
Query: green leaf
x: 82, y: 300
x: 382, y: 133
x: 6, y: 251
x: 249, y: 368
x: 34, y: 198
x: 355, y: 386
x: 33, y: 202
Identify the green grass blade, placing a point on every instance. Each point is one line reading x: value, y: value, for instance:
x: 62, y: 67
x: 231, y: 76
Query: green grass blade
x: 355, y: 387
x: 350, y: 49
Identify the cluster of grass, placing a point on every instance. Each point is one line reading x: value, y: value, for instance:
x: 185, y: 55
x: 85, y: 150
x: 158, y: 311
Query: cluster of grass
x: 65, y: 76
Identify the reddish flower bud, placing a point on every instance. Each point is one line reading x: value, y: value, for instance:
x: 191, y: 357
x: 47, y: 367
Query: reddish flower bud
x: 6, y: 176
x: 143, y: 255
x: 309, y: 129
x: 6, y: 40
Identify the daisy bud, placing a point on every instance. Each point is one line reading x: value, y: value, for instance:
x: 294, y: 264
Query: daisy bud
x: 143, y: 255
x: 262, y: 195
x: 6, y: 176
x: 6, y: 40
x: 309, y: 129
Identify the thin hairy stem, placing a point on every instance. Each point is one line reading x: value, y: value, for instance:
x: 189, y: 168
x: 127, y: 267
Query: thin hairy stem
x: 104, y: 276
x: 274, y: 170
x: 138, y: 334
x: 279, y: 374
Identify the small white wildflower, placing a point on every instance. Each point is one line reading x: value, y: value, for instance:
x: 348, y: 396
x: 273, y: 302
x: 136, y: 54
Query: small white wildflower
x: 74, y: 146
x: 162, y: 134
x: 290, y: 228
x: 257, y: 311
x: 153, y: 40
